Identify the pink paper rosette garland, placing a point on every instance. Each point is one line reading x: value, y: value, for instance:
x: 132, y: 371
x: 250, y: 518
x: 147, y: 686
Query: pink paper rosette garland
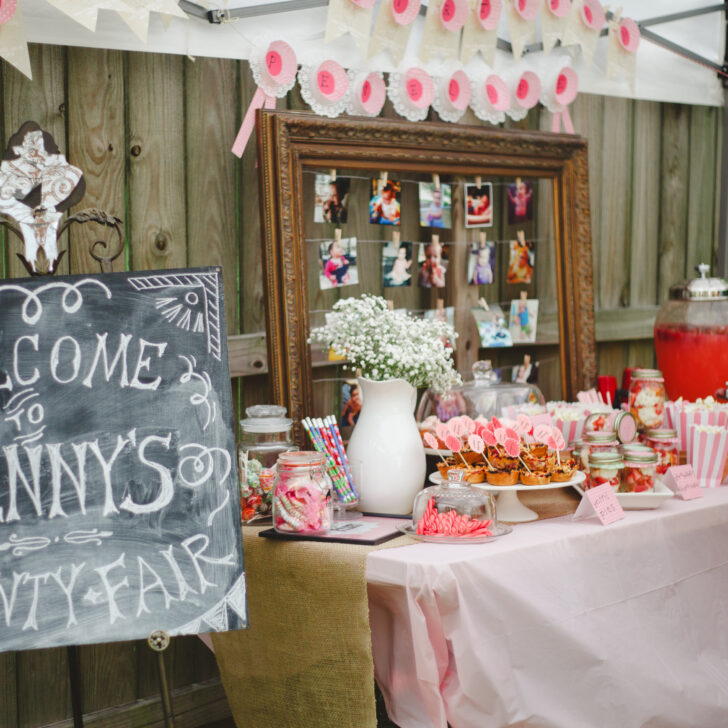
x: 7, y: 10
x: 452, y: 96
x: 629, y: 35
x: 527, y: 9
x: 411, y: 93
x: 274, y: 70
x: 557, y: 94
x: 525, y: 93
x: 325, y: 88
x: 559, y: 8
x: 453, y: 14
x: 491, y: 99
x: 488, y: 13
x: 707, y: 453
x: 405, y: 11
x: 368, y: 94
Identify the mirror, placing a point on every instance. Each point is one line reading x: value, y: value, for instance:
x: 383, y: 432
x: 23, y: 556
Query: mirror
x: 535, y: 183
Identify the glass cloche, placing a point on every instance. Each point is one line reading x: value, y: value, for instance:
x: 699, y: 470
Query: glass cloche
x: 484, y: 395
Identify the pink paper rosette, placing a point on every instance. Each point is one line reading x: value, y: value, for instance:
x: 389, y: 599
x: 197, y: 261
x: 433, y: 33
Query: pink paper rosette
x: 628, y: 35
x: 525, y: 93
x: 592, y: 15
x: 556, y: 95
x: 490, y: 99
x: 527, y: 9
x: 404, y: 12
x: 325, y: 87
x: 707, y: 453
x: 7, y: 10
x: 274, y: 70
x: 488, y: 13
x: 368, y: 93
x: 453, y: 14
x: 411, y: 93
x: 559, y: 8
x: 452, y: 96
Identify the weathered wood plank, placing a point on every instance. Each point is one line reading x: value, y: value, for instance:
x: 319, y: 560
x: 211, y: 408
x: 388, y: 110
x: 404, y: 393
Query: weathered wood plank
x: 673, y: 197
x: 645, y: 211
x: 43, y: 687
x: 210, y: 129
x: 701, y: 191
x: 612, y: 359
x: 96, y: 145
x: 157, y: 214
x: 42, y: 100
x: 8, y: 690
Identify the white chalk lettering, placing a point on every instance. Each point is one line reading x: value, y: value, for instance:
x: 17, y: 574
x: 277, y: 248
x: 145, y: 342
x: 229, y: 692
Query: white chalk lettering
x: 15, y: 473
x: 166, y: 489
x: 101, y: 353
x: 58, y: 467
x: 67, y: 589
x: 32, y: 622
x: 9, y: 604
x: 196, y: 557
x: 182, y: 585
x: 106, y: 465
x: 103, y: 572
x: 144, y: 588
x: 143, y: 363
x: 36, y: 374
x: 56, y: 359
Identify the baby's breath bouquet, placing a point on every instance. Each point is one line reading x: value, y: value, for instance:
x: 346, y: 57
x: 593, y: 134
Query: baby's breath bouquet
x: 384, y: 344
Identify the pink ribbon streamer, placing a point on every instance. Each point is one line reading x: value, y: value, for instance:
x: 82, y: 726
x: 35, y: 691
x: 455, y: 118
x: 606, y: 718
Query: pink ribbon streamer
x: 564, y: 116
x: 260, y: 100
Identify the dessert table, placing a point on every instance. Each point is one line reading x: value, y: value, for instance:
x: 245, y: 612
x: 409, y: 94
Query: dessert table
x: 559, y: 624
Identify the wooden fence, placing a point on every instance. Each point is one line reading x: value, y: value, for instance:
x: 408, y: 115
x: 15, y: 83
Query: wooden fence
x: 152, y: 134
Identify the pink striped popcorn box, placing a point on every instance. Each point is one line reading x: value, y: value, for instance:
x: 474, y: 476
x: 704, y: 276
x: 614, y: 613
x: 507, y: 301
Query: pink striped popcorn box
x: 707, y: 453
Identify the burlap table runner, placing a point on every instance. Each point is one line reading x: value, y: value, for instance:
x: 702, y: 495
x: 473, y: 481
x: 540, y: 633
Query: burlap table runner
x: 307, y: 658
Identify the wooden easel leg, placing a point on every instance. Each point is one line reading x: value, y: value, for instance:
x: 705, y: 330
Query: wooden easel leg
x: 159, y: 641
x: 74, y: 676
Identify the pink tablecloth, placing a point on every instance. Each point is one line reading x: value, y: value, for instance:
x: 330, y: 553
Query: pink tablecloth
x: 561, y: 624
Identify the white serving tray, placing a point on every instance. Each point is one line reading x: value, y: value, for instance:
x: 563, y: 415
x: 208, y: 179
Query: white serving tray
x: 640, y: 501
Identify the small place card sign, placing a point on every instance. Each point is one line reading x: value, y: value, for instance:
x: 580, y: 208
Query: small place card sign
x: 602, y: 503
x: 681, y: 479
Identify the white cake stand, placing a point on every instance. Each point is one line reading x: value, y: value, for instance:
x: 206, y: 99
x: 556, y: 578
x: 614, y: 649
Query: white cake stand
x: 509, y: 507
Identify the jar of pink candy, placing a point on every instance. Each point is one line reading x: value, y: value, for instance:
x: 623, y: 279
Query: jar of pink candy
x: 302, y: 500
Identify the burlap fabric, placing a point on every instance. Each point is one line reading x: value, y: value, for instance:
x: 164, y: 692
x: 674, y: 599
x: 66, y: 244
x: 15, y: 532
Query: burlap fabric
x: 307, y: 658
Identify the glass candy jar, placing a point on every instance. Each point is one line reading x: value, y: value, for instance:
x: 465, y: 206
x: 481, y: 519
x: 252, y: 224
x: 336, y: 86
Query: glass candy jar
x: 593, y: 442
x: 302, y: 501
x: 666, y: 445
x: 605, y: 467
x: 454, y: 509
x: 640, y: 469
x: 264, y: 434
x: 647, y: 397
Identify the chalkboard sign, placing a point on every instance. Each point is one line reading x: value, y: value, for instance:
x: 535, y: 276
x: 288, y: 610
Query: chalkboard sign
x: 119, y: 507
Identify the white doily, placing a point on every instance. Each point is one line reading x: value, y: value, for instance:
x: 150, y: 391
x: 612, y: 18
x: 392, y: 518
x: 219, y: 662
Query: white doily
x: 316, y: 100
x: 548, y: 92
x: 264, y: 81
x: 481, y: 107
x: 398, y: 97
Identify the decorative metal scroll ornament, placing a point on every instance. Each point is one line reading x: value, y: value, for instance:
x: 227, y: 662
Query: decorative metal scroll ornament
x: 37, y: 186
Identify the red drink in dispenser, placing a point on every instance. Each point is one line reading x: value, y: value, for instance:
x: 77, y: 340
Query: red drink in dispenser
x: 691, y: 337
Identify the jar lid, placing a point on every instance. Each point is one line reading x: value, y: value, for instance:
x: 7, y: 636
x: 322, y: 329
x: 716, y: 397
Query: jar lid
x: 266, y: 418
x: 647, y: 457
x: 700, y: 289
x: 646, y: 374
x: 604, y: 458
x: 602, y: 437
x: 662, y: 433
x: 301, y: 459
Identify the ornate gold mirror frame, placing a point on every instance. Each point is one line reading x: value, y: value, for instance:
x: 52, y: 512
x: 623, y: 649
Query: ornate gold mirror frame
x: 291, y: 141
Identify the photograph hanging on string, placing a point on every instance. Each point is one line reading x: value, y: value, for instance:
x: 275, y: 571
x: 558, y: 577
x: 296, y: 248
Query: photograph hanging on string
x: 481, y: 264
x: 479, y: 205
x: 433, y: 260
x: 384, y: 205
x: 435, y: 205
x: 338, y: 263
x: 350, y: 403
x: 521, y: 262
x: 492, y: 328
x: 523, y: 320
x: 331, y: 198
x: 396, y: 265
x: 520, y: 201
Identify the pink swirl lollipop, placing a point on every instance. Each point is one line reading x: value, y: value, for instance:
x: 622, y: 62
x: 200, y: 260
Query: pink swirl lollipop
x: 453, y: 14
x: 629, y: 35
x: 430, y: 440
x: 592, y: 14
x: 476, y: 443
x: 488, y: 13
x: 405, y: 11
x: 527, y: 9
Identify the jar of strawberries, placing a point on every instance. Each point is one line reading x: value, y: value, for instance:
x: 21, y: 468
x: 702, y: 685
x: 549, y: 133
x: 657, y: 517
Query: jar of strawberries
x: 640, y: 470
x: 647, y: 397
x: 605, y: 467
x: 666, y: 445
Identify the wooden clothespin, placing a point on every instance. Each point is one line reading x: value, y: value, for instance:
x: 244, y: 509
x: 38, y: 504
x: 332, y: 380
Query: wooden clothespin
x: 395, y: 238
x: 440, y: 304
x: 526, y: 360
x: 518, y: 180
x: 436, y: 181
x: 521, y: 237
x: 435, y: 239
x: 383, y: 177
x: 483, y: 304
x: 337, y: 235
x: 482, y: 239
x: 390, y: 305
x: 332, y: 175
x: 524, y: 296
x: 478, y: 181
